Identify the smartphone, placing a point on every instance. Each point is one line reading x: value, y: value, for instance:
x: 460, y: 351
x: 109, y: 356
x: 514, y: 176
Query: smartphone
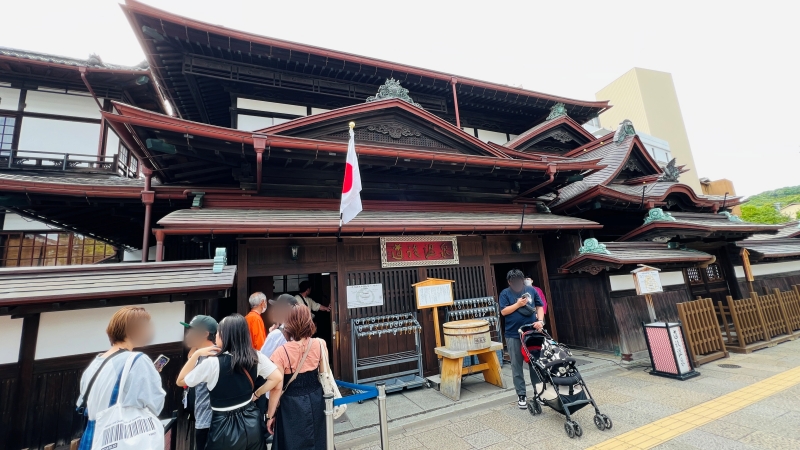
x: 160, y: 362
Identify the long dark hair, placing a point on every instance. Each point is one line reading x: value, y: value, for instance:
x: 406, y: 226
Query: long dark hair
x: 235, y: 336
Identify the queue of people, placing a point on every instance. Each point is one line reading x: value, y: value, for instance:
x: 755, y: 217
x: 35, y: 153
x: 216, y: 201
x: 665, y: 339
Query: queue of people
x: 233, y: 367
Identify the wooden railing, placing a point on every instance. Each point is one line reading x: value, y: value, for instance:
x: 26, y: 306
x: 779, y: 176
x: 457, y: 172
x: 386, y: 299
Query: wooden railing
x: 63, y: 162
x: 760, y: 321
x: 702, y: 331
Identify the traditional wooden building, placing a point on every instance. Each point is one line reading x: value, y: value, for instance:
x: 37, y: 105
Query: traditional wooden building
x: 462, y: 180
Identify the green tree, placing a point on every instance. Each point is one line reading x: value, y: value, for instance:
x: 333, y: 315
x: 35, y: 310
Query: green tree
x: 763, y: 214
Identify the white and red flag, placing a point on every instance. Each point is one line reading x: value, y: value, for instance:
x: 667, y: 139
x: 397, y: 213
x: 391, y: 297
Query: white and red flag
x: 351, y: 188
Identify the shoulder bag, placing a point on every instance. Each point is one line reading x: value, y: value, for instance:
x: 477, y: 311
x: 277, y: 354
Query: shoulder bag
x: 127, y: 427
x: 327, y: 381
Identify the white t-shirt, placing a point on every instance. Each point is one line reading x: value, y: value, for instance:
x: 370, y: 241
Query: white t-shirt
x: 142, y: 387
x: 275, y: 339
x: 208, y: 372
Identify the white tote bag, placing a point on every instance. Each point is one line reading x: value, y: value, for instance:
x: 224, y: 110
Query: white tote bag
x: 327, y: 381
x: 127, y: 428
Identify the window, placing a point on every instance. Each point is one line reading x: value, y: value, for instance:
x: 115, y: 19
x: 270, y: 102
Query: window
x: 286, y: 284
x: 51, y: 249
x: 6, y: 131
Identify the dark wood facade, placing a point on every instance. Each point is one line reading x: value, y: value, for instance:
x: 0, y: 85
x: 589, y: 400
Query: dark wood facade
x: 357, y: 261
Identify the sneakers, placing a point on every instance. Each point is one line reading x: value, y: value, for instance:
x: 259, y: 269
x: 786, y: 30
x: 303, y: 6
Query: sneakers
x: 522, y: 402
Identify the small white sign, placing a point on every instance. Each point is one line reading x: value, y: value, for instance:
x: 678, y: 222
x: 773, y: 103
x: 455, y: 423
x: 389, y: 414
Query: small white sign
x: 364, y: 295
x: 434, y: 295
x: 680, y: 349
x: 648, y: 282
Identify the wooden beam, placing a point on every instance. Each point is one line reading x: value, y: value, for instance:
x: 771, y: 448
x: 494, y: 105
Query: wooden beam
x: 27, y: 356
x: 242, y: 305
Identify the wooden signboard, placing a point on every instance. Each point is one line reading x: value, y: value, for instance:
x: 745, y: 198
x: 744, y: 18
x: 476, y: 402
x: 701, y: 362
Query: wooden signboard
x: 647, y: 282
x: 433, y: 293
x: 415, y: 251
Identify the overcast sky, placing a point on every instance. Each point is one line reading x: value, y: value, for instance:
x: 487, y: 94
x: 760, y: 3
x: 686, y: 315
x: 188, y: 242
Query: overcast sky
x: 736, y: 65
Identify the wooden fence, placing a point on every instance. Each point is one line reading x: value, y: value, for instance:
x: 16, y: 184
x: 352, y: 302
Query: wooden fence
x: 702, y: 331
x: 760, y: 321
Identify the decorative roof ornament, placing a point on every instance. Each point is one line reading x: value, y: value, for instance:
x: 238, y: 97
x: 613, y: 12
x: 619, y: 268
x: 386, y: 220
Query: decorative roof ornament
x: 592, y: 245
x: 624, y: 130
x: 672, y: 171
x: 658, y: 215
x: 731, y: 217
x: 558, y: 110
x: 95, y: 60
x: 392, y: 89
x: 220, y: 260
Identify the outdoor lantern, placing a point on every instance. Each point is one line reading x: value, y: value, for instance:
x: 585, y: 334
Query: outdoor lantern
x: 295, y: 251
x: 517, y: 246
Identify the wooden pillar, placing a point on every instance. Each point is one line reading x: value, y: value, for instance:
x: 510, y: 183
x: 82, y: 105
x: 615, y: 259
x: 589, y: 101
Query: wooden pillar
x: 27, y: 355
x: 259, y: 144
x: 453, y: 82
x: 159, y: 245
x: 551, y: 311
x: 148, y: 198
x: 242, y: 295
x: 342, y: 363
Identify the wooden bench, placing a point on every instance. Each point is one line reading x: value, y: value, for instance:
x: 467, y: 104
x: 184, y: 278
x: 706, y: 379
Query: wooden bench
x: 453, y: 369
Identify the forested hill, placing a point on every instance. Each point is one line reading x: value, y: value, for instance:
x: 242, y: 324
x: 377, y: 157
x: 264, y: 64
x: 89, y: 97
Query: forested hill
x: 761, y: 208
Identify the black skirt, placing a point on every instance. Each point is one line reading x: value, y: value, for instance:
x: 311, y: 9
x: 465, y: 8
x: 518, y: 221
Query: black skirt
x: 300, y: 418
x: 238, y: 429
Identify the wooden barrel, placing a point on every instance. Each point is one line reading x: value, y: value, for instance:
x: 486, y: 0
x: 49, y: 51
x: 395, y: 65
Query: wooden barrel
x: 472, y: 334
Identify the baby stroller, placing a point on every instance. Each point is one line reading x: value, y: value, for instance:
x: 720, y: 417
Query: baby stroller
x: 560, y: 386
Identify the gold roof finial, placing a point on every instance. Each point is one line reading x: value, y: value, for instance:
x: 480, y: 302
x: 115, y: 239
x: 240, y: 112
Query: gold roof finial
x: 352, y: 125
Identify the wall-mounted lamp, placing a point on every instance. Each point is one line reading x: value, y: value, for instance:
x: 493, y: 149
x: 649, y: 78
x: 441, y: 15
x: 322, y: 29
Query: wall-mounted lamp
x: 517, y: 246
x: 295, y: 251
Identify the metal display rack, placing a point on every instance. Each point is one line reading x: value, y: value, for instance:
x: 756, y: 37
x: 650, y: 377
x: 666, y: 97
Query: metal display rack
x: 485, y: 308
x: 388, y: 325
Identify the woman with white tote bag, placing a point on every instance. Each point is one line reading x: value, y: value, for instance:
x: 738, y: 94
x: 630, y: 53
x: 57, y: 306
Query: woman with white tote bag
x: 139, y: 392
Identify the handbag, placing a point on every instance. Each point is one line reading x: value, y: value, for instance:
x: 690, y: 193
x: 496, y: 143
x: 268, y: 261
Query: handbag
x: 127, y: 427
x: 327, y: 381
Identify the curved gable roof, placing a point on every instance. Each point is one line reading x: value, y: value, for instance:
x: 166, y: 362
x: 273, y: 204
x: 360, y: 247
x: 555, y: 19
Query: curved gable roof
x: 570, y: 129
x: 387, y: 122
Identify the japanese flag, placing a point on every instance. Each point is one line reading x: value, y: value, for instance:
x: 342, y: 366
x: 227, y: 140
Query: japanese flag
x: 351, y: 188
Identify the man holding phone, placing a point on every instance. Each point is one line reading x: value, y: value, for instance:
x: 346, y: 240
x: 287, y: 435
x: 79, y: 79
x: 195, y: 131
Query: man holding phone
x: 202, y: 332
x: 520, y: 305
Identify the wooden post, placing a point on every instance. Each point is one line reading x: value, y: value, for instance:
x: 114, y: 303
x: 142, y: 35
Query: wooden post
x: 242, y: 305
x: 650, y: 309
x: 436, y: 326
x: 27, y: 354
x: 736, y: 325
x: 159, y: 245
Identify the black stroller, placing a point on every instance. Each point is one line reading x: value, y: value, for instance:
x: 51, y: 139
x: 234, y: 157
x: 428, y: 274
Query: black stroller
x: 560, y: 386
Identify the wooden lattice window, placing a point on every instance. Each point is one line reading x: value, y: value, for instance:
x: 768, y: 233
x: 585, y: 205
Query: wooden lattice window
x: 714, y: 273
x: 51, y: 249
x: 6, y: 132
x: 693, y: 274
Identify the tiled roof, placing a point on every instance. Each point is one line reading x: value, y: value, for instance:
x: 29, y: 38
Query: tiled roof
x: 696, y: 224
x: 327, y: 221
x: 611, y: 155
x: 629, y: 253
x: 771, y: 248
x: 788, y: 230
x: 67, y: 61
x: 546, y: 125
x: 22, y: 285
x: 99, y: 180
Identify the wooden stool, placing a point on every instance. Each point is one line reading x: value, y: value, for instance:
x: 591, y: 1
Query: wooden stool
x: 453, y: 368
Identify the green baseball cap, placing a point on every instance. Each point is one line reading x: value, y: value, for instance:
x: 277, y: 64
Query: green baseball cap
x: 201, y: 322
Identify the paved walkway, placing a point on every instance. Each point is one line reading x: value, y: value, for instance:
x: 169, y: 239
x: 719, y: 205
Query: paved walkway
x: 755, y: 405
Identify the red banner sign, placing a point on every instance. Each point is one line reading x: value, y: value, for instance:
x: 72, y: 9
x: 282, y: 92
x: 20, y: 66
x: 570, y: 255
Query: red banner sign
x: 405, y: 251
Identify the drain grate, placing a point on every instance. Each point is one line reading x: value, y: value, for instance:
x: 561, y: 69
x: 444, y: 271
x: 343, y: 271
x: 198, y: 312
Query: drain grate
x: 729, y: 366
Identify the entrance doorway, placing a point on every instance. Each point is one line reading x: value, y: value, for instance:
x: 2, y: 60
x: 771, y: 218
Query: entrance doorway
x: 320, y: 284
x: 530, y: 269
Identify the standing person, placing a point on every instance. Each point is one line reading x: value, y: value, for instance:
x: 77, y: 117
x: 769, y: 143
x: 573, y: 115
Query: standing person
x: 304, y: 299
x: 229, y: 372
x: 280, y: 308
x: 517, y: 312
x: 258, y: 305
x: 202, y: 333
x: 529, y: 282
x: 129, y: 328
x: 299, y: 422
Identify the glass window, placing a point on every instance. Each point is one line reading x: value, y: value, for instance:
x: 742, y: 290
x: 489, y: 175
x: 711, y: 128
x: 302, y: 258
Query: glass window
x: 6, y: 132
x: 51, y: 249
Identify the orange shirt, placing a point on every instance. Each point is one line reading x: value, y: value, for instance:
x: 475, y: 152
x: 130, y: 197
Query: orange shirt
x: 258, y: 334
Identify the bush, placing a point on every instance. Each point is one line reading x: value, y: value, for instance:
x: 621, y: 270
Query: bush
x: 763, y: 214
